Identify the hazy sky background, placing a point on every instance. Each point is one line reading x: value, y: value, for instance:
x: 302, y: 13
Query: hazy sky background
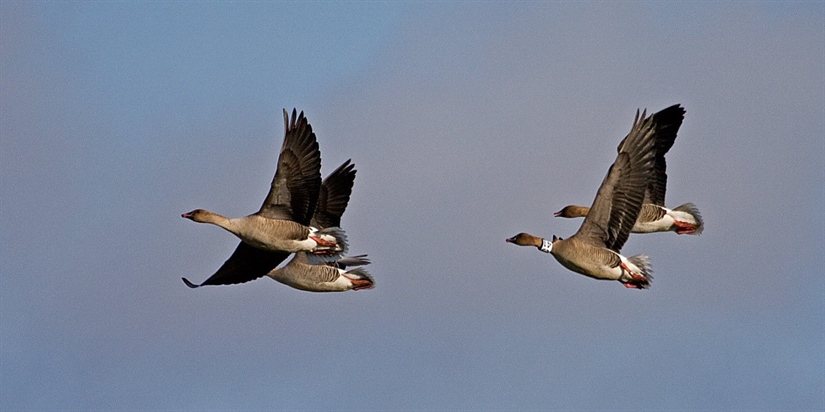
x: 467, y: 122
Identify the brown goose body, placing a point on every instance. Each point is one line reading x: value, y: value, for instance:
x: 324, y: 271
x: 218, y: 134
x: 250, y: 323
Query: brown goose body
x: 654, y: 216
x: 299, y: 273
x: 587, y: 259
x: 594, y: 249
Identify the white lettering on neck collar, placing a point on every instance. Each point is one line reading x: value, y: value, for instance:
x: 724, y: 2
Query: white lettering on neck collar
x: 546, y: 246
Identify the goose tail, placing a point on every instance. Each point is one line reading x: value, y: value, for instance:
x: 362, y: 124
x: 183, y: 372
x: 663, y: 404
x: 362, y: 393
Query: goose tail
x: 332, y: 244
x: 359, y: 278
x: 639, y: 272
x: 689, y: 220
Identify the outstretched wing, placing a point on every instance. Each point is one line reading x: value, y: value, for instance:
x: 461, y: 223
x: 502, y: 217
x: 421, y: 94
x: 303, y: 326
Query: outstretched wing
x: 667, y: 122
x: 294, y: 190
x: 619, y: 198
x: 334, y: 196
x: 246, y: 263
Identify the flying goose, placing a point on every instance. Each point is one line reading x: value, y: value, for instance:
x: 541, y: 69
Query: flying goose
x: 250, y: 263
x: 285, y: 214
x: 654, y: 216
x: 594, y: 249
x: 281, y: 225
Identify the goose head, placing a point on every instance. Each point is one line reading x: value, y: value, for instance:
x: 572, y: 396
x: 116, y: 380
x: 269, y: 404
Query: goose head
x: 525, y: 239
x: 572, y: 211
x: 197, y: 215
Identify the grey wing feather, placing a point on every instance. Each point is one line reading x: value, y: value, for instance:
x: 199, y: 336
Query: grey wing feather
x: 668, y: 121
x: 619, y: 198
x: 332, y: 202
x: 334, y: 196
x: 293, y: 193
x: 347, y: 261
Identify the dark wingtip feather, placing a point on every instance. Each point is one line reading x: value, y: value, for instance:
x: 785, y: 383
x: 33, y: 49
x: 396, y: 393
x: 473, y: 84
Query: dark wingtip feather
x: 348, y: 261
x: 190, y: 284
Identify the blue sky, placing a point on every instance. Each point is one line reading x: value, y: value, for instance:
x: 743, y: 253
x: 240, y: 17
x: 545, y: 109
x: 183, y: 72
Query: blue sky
x: 467, y: 122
